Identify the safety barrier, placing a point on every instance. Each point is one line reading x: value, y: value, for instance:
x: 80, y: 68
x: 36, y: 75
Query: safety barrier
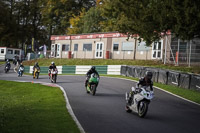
x: 111, y: 69
x: 176, y: 78
x: 183, y: 80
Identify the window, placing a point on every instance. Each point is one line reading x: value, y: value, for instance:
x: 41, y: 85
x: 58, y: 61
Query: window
x: 17, y: 52
x: 10, y: 51
x: 2, y: 51
x: 75, y: 47
x: 87, y: 47
x: 65, y: 47
x: 127, y: 46
x: 115, y: 47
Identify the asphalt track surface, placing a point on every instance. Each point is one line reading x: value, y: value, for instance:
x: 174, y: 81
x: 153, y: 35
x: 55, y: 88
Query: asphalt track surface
x: 105, y: 112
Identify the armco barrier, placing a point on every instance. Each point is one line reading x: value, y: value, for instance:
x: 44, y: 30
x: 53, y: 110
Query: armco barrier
x: 26, y: 69
x: 101, y: 69
x: 68, y: 69
x: 195, y: 82
x: 184, y: 81
x: 114, y: 69
x: 82, y: 69
x: 163, y: 76
x: 44, y: 69
x: 138, y: 72
x: 129, y: 71
x: 173, y: 78
x: 123, y: 70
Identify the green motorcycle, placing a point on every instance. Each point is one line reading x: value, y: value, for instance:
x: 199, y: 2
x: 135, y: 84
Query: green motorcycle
x: 92, y: 84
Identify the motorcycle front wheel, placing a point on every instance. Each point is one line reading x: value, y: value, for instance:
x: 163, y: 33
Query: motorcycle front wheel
x: 142, y: 108
x: 93, y: 88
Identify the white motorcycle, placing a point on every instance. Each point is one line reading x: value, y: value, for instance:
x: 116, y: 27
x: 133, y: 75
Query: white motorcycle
x: 139, y: 101
x: 20, y: 71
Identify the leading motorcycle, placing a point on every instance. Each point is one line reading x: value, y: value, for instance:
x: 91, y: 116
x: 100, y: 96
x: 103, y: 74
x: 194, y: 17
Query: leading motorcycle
x: 139, y: 101
x: 92, y: 84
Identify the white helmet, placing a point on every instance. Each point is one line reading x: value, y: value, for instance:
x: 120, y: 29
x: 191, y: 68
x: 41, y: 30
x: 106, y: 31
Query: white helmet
x: 52, y: 63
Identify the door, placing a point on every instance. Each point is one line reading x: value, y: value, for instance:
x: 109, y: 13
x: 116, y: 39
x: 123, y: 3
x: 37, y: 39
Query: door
x: 53, y: 50
x: 99, y: 50
x: 157, y: 50
x: 58, y: 50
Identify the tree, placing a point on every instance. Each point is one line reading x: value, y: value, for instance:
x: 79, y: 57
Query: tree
x: 150, y: 18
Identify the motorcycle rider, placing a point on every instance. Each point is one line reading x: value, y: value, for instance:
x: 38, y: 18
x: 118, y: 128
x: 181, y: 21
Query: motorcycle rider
x: 52, y: 66
x: 35, y: 66
x: 144, y: 81
x: 88, y: 74
x: 21, y: 65
x: 8, y: 64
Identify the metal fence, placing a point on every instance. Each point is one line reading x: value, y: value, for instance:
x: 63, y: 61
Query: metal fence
x: 184, y: 52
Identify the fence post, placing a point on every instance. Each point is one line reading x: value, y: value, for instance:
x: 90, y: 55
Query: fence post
x: 165, y: 50
x: 190, y: 53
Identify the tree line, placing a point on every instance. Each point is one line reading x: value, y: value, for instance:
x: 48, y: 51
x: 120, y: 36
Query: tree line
x: 22, y: 20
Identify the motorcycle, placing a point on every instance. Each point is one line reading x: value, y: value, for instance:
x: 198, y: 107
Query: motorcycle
x: 53, y: 75
x: 7, y: 68
x: 36, y: 72
x: 20, y: 71
x: 92, y: 84
x: 139, y: 101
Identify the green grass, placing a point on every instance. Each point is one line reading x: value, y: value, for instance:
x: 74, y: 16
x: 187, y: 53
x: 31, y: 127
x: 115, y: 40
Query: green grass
x: 192, y: 95
x: 2, y: 62
x: 146, y: 63
x: 32, y: 108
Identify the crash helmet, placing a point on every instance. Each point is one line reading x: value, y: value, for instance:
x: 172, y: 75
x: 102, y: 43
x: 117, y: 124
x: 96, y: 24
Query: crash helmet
x: 7, y: 60
x: 52, y: 63
x: 93, y: 68
x: 149, y: 75
x: 36, y: 63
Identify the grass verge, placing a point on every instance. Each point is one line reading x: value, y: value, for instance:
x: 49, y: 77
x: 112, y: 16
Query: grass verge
x: 146, y: 63
x: 192, y: 95
x: 31, y: 108
x: 2, y: 62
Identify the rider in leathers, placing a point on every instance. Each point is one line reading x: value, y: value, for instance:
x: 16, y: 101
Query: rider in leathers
x: 145, y: 81
x: 88, y: 74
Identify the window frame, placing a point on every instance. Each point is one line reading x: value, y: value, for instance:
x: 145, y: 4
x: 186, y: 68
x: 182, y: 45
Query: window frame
x: 114, y: 46
x: 89, y: 44
x: 76, y: 44
x: 125, y: 49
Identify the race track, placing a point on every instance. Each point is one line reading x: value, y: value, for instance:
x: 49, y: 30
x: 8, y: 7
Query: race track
x: 105, y: 112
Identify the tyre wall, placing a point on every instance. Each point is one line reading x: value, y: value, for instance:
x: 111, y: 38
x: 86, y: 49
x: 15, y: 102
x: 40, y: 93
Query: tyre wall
x: 176, y: 78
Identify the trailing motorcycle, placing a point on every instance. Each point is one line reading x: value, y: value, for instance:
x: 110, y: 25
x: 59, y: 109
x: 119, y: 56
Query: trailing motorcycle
x: 20, y: 71
x: 139, y: 101
x: 53, y: 75
x: 36, y: 72
x: 92, y: 84
x: 7, y: 68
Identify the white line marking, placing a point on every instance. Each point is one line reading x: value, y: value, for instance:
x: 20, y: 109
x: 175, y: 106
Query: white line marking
x: 161, y: 90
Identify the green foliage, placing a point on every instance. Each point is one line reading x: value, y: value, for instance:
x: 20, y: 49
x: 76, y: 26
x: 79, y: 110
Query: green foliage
x: 86, y: 22
x: 150, y: 18
x: 31, y: 108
